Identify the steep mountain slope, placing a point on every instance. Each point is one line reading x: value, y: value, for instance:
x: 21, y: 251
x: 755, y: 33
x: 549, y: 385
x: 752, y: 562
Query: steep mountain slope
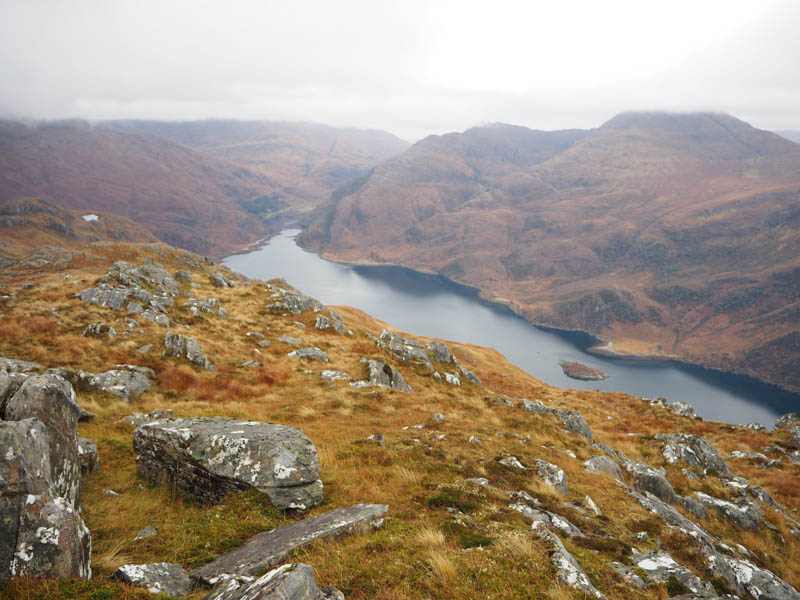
x: 793, y: 136
x: 667, y: 234
x: 507, y: 489
x: 307, y: 160
x: 31, y: 222
x: 183, y: 197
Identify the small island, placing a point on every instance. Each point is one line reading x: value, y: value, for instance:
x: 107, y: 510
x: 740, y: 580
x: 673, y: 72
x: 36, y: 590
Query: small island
x: 577, y: 370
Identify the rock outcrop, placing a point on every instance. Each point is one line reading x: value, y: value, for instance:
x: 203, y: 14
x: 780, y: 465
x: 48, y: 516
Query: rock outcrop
x: 127, y: 383
x: 157, y: 578
x: 568, y: 571
x: 573, y: 421
x: 180, y: 346
x: 207, y: 458
x: 552, y: 474
x: 383, y: 375
x: 694, y: 450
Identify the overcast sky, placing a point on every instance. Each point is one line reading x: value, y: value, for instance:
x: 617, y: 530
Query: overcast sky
x: 411, y: 67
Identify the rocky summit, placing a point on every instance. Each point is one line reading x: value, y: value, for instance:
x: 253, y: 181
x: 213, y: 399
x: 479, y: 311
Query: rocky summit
x: 248, y: 442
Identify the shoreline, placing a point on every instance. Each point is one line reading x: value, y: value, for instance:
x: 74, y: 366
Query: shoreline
x: 596, y: 346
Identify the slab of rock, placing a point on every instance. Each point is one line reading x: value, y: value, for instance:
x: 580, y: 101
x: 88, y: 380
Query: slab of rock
x: 745, y: 514
x: 536, y: 406
x: 628, y: 574
x: 51, y: 400
x: 157, y: 578
x: 87, y: 453
x: 146, y: 532
x: 310, y: 354
x: 471, y: 377
x: 537, y: 515
x: 744, y: 577
x: 25, y: 460
x: 180, y: 346
x: 695, y: 450
x: 208, y: 458
x: 568, y: 571
x: 212, y: 306
x: 661, y: 567
x: 51, y: 539
x: 271, y: 547
x: 330, y: 375
x: 573, y: 421
x: 12, y: 365
x: 287, y: 582
x: 673, y: 518
x: 125, y: 383
x: 552, y: 474
x: 603, y: 464
x: 294, y: 303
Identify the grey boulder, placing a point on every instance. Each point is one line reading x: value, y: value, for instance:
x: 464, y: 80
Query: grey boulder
x: 745, y: 514
x: 568, y: 571
x: 207, y: 458
x: 573, y: 421
x: 552, y: 474
x: 310, y: 354
x: 383, y: 375
x: 185, y: 347
x: 694, y: 450
x: 603, y: 464
x: 287, y: 582
x: 87, y: 454
x: 648, y: 479
x: 441, y: 353
x: 156, y: 578
x: 125, y: 383
x: 661, y: 567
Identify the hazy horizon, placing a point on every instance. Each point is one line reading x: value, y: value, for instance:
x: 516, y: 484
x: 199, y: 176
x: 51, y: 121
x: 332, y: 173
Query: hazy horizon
x: 412, y: 69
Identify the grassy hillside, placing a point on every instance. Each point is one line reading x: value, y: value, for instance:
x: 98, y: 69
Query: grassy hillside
x: 482, y: 549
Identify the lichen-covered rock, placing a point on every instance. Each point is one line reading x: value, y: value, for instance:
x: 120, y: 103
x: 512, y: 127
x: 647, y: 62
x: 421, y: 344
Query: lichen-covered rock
x: 287, y: 582
x: 568, y: 571
x: 452, y: 378
x: 603, y: 464
x: 744, y: 513
x: 125, y: 383
x: 310, y: 354
x: 211, y: 306
x: 573, y: 421
x: 552, y: 474
x: 441, y: 353
x: 150, y: 273
x: 51, y: 538
x: 694, y: 450
x: 271, y: 547
x: 383, y: 375
x: 536, y: 406
x: 181, y: 275
x: 24, y: 460
x: 332, y: 375
x: 180, y: 346
x: 220, y: 280
x: 648, y: 479
x: 471, y: 377
x: 87, y: 453
x: 661, y: 567
x: 787, y: 420
x: 98, y: 329
x: 673, y: 518
x: 157, y: 578
x: 627, y: 573
x: 12, y: 365
x: 51, y: 400
x: 292, y: 302
x: 555, y: 521
x: 209, y: 458
x: 744, y: 577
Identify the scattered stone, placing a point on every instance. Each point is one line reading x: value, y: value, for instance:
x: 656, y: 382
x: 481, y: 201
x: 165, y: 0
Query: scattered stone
x: 249, y: 363
x: 537, y: 515
x: 137, y: 419
x: 210, y: 306
x: 568, y: 571
x: 111, y: 493
x: 156, y: 578
x: 661, y: 567
x: 482, y: 481
x: 290, y: 340
x: 269, y: 548
x: 437, y: 417
x: 552, y: 474
x: 471, y: 377
x: 330, y: 375
x: 603, y: 464
x: 754, y: 426
x: 437, y: 378
x: 287, y: 582
x: 145, y: 349
x: 264, y: 344
x: 536, y: 407
x: 220, y: 280
x: 98, y: 329
x: 573, y: 421
x: 293, y: 302
x: 452, y: 378
x: 378, y: 439
x: 757, y: 457
x: 590, y: 503
x: 511, y: 462
x: 180, y: 346
x: 255, y: 334
x: 473, y: 440
x: 642, y: 536
x: 87, y: 454
x: 207, y: 458
x: 309, y: 353
x: 147, y: 532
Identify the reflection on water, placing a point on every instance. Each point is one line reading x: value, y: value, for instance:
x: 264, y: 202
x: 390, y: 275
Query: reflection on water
x: 435, y: 307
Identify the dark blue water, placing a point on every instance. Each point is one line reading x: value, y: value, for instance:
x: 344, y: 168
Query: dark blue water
x: 435, y: 307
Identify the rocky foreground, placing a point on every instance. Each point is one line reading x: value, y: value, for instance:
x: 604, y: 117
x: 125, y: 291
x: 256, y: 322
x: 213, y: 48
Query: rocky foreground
x: 168, y: 427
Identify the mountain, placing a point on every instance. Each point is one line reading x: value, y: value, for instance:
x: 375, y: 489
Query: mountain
x: 307, y: 160
x: 488, y: 482
x: 674, y: 235
x: 182, y: 196
x: 28, y: 223
x: 793, y: 136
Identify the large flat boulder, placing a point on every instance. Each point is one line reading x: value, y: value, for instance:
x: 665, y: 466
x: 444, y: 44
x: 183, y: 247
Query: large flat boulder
x: 271, y: 547
x: 157, y: 578
x: 51, y: 400
x: 208, y: 458
x: 287, y: 582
